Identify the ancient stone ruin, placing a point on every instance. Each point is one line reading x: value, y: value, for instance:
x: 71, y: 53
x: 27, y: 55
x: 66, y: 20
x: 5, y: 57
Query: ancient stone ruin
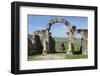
x: 42, y: 42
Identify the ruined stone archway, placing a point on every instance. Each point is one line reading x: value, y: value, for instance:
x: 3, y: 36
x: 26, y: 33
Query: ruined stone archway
x: 84, y: 41
x: 71, y: 29
x: 71, y: 32
x: 58, y: 20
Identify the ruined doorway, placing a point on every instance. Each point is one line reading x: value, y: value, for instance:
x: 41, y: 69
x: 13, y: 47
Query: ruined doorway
x: 62, y: 44
x: 78, y: 44
x: 59, y: 35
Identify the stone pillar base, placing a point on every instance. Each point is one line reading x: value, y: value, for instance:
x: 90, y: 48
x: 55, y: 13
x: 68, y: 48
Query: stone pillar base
x: 84, y: 53
x: 44, y: 52
x: 69, y: 52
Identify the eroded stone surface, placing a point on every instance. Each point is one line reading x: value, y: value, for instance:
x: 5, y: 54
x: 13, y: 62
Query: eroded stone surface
x: 44, y: 43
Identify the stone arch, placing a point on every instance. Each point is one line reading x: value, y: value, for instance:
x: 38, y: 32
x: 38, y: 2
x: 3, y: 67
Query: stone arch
x: 44, y: 36
x: 84, y: 41
x: 71, y: 29
x: 57, y: 20
x: 78, y: 40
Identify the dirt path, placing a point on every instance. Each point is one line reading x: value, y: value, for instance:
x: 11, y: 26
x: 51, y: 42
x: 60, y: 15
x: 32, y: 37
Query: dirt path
x: 47, y: 57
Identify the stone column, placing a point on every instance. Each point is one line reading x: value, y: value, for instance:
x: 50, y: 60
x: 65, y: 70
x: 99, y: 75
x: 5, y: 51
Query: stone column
x: 71, y: 44
x: 84, y: 43
x: 47, y: 39
x: 46, y: 42
x: 45, y: 51
x: 44, y: 47
x: 71, y: 40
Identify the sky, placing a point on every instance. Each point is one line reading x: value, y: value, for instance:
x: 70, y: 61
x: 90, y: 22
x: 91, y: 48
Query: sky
x: 39, y: 22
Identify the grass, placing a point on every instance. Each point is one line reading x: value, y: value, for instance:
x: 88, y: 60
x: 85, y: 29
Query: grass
x: 58, y: 44
x: 55, y: 56
x: 34, y: 57
x: 59, y: 41
x: 75, y: 56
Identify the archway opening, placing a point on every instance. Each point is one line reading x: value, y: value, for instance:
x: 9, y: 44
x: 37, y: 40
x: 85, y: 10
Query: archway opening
x: 78, y: 42
x: 58, y: 32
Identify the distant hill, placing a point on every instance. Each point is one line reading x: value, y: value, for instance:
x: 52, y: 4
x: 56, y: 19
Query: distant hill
x: 60, y: 39
x: 66, y: 39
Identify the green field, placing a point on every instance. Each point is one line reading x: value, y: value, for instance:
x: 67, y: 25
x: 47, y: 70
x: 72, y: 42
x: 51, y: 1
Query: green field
x: 75, y: 56
x: 59, y: 41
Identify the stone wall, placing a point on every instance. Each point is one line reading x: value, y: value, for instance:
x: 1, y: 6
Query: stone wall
x: 35, y: 45
x: 44, y: 43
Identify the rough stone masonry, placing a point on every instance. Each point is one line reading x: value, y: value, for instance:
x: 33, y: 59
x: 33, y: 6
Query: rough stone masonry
x: 42, y: 42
